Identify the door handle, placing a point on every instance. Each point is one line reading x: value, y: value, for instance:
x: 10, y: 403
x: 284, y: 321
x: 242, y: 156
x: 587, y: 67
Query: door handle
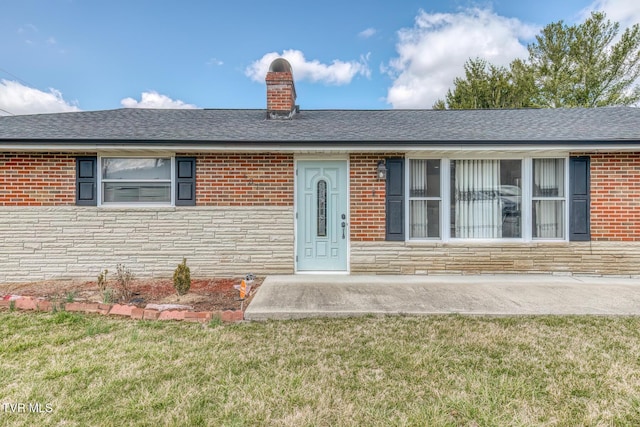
x: 344, y: 226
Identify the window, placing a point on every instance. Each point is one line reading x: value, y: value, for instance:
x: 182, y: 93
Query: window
x: 136, y: 180
x: 548, y: 201
x: 486, y: 199
x: 424, y: 199
x: 322, y: 208
x: 524, y: 198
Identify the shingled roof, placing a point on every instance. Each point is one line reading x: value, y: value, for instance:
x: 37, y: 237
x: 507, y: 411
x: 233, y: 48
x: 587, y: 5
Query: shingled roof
x: 536, y: 125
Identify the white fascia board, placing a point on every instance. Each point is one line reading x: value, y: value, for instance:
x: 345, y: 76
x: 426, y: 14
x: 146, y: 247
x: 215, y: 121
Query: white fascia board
x: 320, y: 147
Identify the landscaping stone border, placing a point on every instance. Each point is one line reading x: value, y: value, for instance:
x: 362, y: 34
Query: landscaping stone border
x: 124, y: 310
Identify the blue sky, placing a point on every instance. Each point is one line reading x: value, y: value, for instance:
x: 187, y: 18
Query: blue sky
x: 61, y: 55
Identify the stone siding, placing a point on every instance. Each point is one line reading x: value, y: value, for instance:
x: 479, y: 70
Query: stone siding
x: 41, y: 243
x: 590, y: 258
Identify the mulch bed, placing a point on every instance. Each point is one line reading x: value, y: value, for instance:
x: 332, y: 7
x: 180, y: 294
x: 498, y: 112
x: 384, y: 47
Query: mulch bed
x: 204, y: 295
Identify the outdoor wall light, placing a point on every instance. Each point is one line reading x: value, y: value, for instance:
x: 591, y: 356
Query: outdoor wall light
x: 382, y: 170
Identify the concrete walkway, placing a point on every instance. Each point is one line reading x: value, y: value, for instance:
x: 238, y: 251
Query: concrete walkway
x: 301, y: 296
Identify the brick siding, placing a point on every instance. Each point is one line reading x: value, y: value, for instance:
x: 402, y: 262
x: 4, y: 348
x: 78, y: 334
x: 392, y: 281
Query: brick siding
x: 43, y: 235
x: 244, y: 180
x: 281, y: 92
x: 367, y: 197
x: 43, y: 179
x: 615, y: 196
x: 48, y: 179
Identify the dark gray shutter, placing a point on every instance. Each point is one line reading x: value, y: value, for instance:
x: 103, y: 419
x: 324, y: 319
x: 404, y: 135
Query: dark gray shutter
x: 86, y: 181
x: 395, y: 200
x: 579, y: 199
x: 185, y: 181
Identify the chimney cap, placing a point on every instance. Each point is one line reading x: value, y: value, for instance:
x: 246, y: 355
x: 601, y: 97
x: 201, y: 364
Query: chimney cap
x: 280, y: 65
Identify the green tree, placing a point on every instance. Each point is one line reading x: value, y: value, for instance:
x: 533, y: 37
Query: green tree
x: 585, y: 65
x: 605, y: 69
x: 523, y: 87
x: 488, y: 86
x: 550, y: 62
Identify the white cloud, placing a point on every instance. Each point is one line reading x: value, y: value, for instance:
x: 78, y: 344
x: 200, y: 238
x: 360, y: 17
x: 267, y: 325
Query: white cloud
x: 433, y: 52
x: 626, y: 12
x: 336, y: 73
x: 28, y: 28
x: 29, y: 32
x: 16, y: 98
x: 214, y: 62
x: 369, y: 32
x: 154, y: 99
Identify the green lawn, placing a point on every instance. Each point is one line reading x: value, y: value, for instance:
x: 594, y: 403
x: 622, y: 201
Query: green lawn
x: 444, y: 370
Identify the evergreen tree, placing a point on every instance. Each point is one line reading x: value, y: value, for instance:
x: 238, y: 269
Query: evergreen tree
x: 585, y: 65
x: 488, y: 86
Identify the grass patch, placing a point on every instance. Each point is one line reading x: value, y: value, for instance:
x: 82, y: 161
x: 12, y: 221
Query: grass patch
x: 442, y: 370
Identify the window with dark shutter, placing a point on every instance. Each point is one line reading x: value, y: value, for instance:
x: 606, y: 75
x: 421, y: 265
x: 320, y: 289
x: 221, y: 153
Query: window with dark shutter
x: 185, y: 181
x: 580, y: 198
x: 86, y: 181
x: 395, y: 200
x: 136, y: 180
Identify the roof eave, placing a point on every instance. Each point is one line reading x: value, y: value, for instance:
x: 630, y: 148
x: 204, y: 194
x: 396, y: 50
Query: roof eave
x: 91, y: 145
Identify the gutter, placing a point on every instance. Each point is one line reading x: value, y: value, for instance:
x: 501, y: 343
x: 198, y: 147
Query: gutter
x: 38, y: 145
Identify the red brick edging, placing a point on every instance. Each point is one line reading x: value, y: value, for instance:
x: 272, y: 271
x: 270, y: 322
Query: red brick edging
x: 29, y: 303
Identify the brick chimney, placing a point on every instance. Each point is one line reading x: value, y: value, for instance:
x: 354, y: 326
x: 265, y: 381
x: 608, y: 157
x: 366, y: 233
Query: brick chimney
x: 281, y: 91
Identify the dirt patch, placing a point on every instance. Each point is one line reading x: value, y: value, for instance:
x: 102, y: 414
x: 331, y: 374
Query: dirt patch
x: 204, y: 294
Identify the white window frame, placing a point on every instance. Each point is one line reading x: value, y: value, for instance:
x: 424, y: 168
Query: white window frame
x: 564, y: 198
x: 172, y: 182
x: 523, y: 205
x: 410, y: 199
x: 527, y: 196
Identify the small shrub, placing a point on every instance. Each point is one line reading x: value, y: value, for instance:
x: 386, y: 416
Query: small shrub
x: 70, y: 296
x: 102, y: 280
x: 57, y: 303
x: 124, y: 279
x: 12, y: 305
x: 107, y: 296
x: 182, y: 278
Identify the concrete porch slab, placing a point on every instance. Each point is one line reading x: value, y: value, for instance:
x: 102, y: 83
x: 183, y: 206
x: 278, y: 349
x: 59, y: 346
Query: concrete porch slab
x: 323, y: 295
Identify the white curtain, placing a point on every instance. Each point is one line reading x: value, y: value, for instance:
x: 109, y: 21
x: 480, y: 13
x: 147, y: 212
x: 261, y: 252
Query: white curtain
x: 478, y: 207
x: 418, y: 208
x: 418, y: 178
x: 419, y: 218
x: 548, y: 182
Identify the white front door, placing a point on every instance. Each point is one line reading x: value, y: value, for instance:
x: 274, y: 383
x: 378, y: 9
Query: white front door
x: 322, y: 223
